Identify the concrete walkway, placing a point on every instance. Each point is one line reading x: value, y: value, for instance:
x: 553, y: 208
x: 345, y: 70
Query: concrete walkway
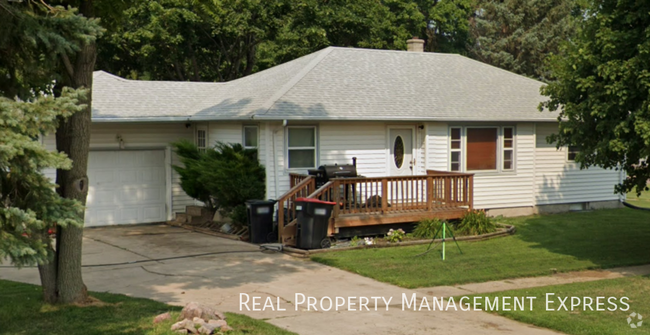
x: 130, y: 259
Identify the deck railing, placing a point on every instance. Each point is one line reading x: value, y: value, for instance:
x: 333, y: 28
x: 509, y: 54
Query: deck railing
x: 383, y: 195
x: 436, y: 191
x: 287, y: 202
x: 296, y: 178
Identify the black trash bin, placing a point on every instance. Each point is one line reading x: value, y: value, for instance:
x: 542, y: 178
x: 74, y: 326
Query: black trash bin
x: 313, y: 220
x: 259, y: 214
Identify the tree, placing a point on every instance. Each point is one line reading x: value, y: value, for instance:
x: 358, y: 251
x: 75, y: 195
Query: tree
x: 603, y: 90
x: 39, y: 39
x: 29, y: 204
x: 316, y: 24
x: 32, y: 36
x: 447, y: 24
x: 209, y: 40
x: 202, y: 40
x: 517, y: 35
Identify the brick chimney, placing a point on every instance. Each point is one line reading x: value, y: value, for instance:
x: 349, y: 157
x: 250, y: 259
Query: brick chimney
x: 415, y: 44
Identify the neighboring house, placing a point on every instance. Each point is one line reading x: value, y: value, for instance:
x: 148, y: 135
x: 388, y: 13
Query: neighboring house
x: 449, y: 112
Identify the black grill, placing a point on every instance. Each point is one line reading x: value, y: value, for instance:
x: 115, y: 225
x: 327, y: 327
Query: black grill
x: 326, y: 172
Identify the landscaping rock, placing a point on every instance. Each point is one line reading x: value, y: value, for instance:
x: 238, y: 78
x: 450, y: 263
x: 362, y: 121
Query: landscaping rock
x: 198, y: 320
x: 186, y: 324
x: 194, y: 309
x: 218, y: 323
x: 162, y: 317
x: 206, y: 329
x: 226, y: 328
x: 219, y: 315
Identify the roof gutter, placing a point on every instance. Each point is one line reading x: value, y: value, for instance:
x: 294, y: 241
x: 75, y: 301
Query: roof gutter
x: 402, y: 118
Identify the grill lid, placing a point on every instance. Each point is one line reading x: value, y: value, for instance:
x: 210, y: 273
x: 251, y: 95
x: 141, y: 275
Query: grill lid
x: 339, y: 171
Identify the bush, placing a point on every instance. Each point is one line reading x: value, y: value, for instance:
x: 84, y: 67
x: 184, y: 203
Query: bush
x: 475, y: 222
x: 190, y: 172
x: 427, y: 228
x: 394, y: 236
x: 233, y: 175
x: 223, y: 177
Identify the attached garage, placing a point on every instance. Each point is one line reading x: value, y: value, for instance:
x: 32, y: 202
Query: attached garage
x: 126, y: 186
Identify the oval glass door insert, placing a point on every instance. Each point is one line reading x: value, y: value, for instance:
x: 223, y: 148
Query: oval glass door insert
x: 398, y: 151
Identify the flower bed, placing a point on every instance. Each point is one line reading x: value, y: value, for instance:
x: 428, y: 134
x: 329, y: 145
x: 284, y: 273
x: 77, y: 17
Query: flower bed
x: 502, y: 230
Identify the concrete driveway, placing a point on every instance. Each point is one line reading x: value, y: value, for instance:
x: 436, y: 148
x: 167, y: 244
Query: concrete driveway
x: 228, y: 268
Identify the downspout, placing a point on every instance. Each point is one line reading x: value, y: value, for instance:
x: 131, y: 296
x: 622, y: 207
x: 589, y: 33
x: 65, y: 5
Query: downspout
x: 275, y: 163
x: 275, y: 160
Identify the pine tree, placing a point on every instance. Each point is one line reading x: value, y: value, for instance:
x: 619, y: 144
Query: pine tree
x: 518, y: 35
x: 37, y: 38
x: 29, y: 204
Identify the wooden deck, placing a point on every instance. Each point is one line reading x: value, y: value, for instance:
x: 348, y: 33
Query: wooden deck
x: 380, y: 200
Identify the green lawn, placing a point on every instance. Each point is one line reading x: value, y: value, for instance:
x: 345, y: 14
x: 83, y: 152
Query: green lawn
x: 22, y: 312
x: 641, y: 201
x: 541, y: 246
x: 578, y: 321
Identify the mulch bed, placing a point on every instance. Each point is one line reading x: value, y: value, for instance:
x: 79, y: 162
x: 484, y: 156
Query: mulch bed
x: 504, y: 230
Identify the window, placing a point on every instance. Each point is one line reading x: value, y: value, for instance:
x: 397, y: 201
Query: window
x: 250, y: 140
x: 456, y: 143
x: 482, y: 149
x: 572, y: 152
x: 301, y: 147
x: 508, y: 148
x: 201, y: 138
x: 398, y: 152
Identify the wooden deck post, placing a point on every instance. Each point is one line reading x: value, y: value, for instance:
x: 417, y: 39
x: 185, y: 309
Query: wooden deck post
x: 430, y: 191
x: 336, y: 195
x: 470, y: 198
x: 384, y: 195
x: 447, y: 191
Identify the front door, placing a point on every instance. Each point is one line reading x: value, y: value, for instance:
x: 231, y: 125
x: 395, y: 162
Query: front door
x: 401, y: 151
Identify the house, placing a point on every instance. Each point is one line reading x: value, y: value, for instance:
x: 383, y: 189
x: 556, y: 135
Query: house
x: 399, y: 113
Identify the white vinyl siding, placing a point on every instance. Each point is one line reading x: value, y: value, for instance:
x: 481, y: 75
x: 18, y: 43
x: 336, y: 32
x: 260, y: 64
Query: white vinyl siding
x: 366, y: 141
x: 561, y: 181
x: 226, y: 132
x: 274, y: 141
x: 436, y: 145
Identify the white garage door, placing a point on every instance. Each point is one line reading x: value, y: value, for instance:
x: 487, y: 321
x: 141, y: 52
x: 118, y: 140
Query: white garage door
x: 125, y: 187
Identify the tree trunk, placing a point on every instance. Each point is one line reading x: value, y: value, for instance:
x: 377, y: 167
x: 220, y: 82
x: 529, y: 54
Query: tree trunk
x: 73, y: 138
x: 48, y: 278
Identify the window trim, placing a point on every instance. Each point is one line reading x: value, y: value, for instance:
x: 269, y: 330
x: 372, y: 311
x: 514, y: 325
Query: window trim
x: 287, y: 149
x: 461, y: 160
x: 504, y: 149
x: 568, y: 153
x: 196, y: 137
x: 500, y: 149
x: 243, y: 135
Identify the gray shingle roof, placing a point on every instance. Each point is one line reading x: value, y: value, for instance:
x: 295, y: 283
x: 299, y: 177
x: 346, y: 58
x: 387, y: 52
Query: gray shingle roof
x: 335, y: 83
x: 122, y: 99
